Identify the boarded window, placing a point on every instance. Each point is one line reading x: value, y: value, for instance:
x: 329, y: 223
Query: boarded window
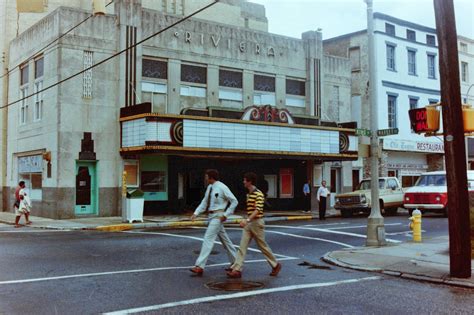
x: 264, y: 83
x: 152, y: 68
x: 231, y: 79
x: 354, y: 56
x: 193, y: 74
x: 295, y: 87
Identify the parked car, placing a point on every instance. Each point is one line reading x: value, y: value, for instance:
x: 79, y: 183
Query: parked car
x: 430, y: 193
x: 390, y: 199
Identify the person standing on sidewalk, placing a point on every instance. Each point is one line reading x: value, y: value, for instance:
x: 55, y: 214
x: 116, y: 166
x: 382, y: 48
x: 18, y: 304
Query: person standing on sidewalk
x: 219, y: 203
x: 254, y: 227
x: 307, y: 195
x: 16, y: 205
x: 322, y: 195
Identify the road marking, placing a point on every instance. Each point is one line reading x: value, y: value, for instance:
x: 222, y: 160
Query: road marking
x: 359, y: 226
x: 297, y: 236
x: 239, y: 295
x: 327, y: 224
x: 328, y: 231
x: 96, y: 274
x: 403, y: 233
x: 201, y: 239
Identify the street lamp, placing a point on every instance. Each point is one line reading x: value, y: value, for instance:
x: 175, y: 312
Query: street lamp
x: 375, y: 223
x: 467, y: 93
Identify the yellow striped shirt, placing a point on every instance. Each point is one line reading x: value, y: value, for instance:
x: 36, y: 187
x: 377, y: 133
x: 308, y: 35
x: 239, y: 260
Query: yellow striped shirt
x: 255, y: 201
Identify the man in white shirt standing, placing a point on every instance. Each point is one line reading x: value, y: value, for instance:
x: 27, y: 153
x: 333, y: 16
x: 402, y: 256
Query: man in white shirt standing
x: 323, y: 194
x: 220, y: 203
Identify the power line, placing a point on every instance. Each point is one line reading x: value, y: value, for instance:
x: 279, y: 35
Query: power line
x: 114, y: 55
x: 55, y: 40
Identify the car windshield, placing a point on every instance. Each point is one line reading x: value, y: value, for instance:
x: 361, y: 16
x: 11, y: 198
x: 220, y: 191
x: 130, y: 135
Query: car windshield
x: 431, y: 180
x: 365, y: 184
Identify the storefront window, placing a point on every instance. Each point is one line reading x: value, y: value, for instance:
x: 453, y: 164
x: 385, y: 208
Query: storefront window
x: 272, y: 185
x: 153, y: 181
x: 286, y: 183
x: 131, y: 167
x: 30, y: 170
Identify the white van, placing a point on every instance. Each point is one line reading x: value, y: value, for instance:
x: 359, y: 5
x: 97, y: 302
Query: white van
x: 430, y: 193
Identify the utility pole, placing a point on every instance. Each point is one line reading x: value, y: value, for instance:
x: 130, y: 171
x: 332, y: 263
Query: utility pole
x: 375, y: 223
x: 454, y: 146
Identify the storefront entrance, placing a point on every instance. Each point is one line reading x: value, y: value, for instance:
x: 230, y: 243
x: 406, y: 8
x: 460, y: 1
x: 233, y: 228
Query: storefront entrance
x: 86, y: 188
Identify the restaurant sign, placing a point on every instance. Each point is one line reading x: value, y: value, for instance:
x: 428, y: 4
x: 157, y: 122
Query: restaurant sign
x: 413, y: 146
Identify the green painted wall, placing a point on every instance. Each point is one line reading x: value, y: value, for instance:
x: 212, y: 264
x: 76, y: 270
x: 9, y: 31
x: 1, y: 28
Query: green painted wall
x: 155, y: 163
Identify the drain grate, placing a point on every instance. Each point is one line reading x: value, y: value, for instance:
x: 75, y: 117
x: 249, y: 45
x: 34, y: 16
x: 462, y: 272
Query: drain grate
x: 235, y: 286
x: 314, y: 266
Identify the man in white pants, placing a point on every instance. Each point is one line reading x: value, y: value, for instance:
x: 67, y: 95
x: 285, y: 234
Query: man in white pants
x: 220, y: 203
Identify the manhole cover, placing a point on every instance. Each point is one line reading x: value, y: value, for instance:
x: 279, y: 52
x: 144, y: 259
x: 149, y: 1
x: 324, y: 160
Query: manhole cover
x: 235, y: 286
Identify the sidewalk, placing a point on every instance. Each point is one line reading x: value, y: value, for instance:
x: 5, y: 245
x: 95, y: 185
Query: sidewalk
x: 114, y: 224
x: 427, y: 261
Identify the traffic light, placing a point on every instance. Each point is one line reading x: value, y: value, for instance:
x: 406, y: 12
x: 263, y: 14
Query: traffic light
x: 424, y: 120
x: 468, y: 118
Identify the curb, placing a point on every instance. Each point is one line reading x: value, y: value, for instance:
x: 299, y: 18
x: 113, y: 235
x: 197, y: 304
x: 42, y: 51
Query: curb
x: 410, y: 276
x: 163, y: 225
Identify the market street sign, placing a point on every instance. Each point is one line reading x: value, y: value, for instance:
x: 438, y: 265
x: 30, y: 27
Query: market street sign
x: 387, y: 132
x: 363, y: 132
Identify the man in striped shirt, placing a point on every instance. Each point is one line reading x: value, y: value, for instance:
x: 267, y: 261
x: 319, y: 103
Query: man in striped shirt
x: 254, y: 227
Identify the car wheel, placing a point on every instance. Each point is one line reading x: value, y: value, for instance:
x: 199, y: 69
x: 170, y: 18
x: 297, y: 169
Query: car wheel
x: 346, y: 213
x: 391, y: 211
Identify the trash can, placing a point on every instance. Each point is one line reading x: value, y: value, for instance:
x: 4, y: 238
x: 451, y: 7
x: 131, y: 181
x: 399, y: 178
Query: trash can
x: 134, y: 206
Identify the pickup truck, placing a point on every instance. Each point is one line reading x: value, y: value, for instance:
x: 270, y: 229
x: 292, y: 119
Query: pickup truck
x: 391, y: 198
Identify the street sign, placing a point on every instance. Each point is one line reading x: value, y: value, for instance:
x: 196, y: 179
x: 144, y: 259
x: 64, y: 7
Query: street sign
x: 363, y: 132
x: 387, y: 132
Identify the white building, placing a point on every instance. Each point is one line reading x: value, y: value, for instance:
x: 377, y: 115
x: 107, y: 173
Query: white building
x: 407, y: 76
x: 187, y: 100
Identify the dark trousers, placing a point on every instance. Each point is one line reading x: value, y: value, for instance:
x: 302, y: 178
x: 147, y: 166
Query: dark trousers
x: 307, y: 202
x: 322, y: 208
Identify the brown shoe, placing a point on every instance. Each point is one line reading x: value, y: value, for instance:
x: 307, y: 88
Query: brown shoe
x: 197, y: 270
x: 234, y: 274
x: 276, y: 270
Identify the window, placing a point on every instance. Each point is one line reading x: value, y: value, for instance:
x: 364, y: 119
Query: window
x: 433, y: 101
x: 131, y: 167
x: 295, y: 93
x: 232, y: 79
x: 463, y: 47
x: 38, y: 98
x: 413, y: 102
x: 264, y: 83
x: 30, y: 169
x: 24, y: 74
x: 411, y: 35
x: 431, y: 66
x: 286, y: 183
x: 392, y: 111
x: 193, y: 74
x: 152, y: 68
x: 411, y: 62
x: 431, y: 40
x: 23, y: 105
x: 38, y: 107
x: 87, y: 76
x: 153, y: 181
x: 392, y: 184
x: 39, y: 67
x: 354, y: 56
x: 391, y: 57
x: 464, y: 71
x: 390, y: 29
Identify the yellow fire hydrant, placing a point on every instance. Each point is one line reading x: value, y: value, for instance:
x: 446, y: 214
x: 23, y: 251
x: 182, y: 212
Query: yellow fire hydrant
x: 415, y: 225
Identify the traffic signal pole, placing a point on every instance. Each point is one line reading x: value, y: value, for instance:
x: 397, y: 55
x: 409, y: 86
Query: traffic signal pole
x: 454, y: 146
x: 375, y: 223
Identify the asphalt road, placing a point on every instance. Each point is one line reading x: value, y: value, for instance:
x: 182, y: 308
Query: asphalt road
x: 65, y: 272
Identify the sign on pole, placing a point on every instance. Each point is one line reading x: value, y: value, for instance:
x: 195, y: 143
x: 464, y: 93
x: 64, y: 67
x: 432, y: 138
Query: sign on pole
x: 363, y: 132
x: 387, y: 132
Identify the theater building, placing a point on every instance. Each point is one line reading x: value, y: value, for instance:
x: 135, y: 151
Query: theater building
x: 218, y: 93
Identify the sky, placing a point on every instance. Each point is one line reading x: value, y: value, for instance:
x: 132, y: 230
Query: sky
x: 338, y: 17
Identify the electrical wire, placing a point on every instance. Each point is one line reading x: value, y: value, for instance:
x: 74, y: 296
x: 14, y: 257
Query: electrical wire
x: 48, y: 45
x: 113, y: 56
